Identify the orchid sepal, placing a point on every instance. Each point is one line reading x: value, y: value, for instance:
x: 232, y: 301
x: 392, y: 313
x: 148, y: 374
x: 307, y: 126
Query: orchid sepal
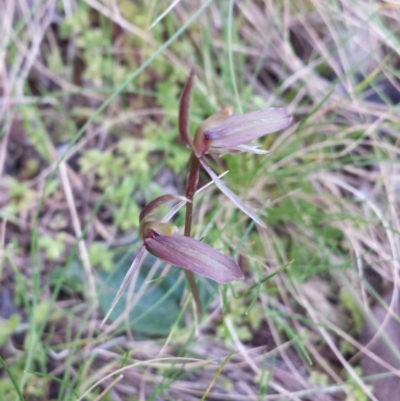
x: 227, y: 192
x: 250, y: 149
x: 128, y: 276
x: 238, y: 149
x: 184, y: 109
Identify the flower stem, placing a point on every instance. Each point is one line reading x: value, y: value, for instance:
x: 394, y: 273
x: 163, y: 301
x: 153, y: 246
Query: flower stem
x: 191, y: 186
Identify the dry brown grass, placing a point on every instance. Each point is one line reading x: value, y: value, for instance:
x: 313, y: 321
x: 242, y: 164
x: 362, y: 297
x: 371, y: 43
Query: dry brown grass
x: 332, y: 181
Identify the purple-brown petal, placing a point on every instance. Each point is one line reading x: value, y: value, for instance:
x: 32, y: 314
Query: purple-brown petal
x: 195, y: 256
x: 238, y: 129
x: 157, y: 202
x: 234, y: 198
x: 184, y: 110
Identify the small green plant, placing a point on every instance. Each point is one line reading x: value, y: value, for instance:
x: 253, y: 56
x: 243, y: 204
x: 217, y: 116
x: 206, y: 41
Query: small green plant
x: 20, y: 195
x: 355, y: 392
x: 53, y: 247
x: 101, y: 257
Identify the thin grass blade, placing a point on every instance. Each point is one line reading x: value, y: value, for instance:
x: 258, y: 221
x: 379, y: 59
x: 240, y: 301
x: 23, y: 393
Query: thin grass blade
x: 134, y: 266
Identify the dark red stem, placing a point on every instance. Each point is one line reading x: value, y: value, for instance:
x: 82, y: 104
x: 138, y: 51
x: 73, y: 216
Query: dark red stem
x: 191, y: 187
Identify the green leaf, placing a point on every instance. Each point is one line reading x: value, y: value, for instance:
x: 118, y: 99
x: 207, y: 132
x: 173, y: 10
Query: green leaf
x: 158, y: 309
x: 71, y: 275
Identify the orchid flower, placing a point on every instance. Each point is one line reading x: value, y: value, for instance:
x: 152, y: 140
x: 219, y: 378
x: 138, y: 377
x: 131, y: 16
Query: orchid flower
x: 224, y: 132
x: 163, y: 240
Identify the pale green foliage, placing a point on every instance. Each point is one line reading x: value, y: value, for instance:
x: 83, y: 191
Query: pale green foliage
x: 100, y: 257
x: 35, y: 129
x: 319, y: 378
x: 21, y: 197
x: 122, y: 173
x: 76, y: 23
x: 355, y: 392
x: 52, y: 246
x: 94, y: 45
x: 7, y: 326
x: 350, y: 305
x: 246, y: 321
x: 44, y: 312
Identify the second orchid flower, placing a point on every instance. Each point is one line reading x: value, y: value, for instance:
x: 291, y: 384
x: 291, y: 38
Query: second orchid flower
x: 163, y: 240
